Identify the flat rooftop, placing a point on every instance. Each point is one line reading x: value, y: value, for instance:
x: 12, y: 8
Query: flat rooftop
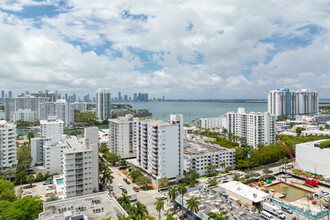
x: 156, y: 122
x: 194, y: 147
x: 104, y: 206
x: 245, y: 191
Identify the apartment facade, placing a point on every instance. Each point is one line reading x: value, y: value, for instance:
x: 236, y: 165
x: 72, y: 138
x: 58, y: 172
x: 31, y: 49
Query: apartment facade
x: 255, y: 127
x: 160, y: 148
x: 60, y: 109
x: 286, y: 102
x: 80, y: 165
x: 103, y: 104
x: 8, y: 153
x: 80, y: 106
x: 123, y: 136
x: 51, y: 131
x: 213, y: 122
x: 23, y: 115
x: 27, y: 102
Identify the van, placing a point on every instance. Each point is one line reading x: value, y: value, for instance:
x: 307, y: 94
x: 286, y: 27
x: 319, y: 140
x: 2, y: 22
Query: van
x: 266, y: 215
x: 120, y: 186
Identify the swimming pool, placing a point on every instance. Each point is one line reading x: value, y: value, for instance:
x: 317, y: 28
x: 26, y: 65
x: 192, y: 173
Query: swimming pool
x: 59, y: 181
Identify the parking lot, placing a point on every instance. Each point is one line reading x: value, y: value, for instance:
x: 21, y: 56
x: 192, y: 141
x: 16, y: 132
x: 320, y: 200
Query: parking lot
x: 148, y: 198
x: 38, y: 189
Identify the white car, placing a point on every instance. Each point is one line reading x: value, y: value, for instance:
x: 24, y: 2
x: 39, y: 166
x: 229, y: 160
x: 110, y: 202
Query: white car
x: 27, y: 192
x: 49, y: 187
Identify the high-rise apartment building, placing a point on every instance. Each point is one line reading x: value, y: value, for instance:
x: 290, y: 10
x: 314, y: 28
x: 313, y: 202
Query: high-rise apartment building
x: 51, y: 131
x: 2, y: 95
x: 80, y: 106
x: 255, y: 127
x: 53, y: 96
x: 23, y: 115
x: 286, y: 102
x: 214, y: 122
x: 10, y: 94
x: 123, y: 136
x: 80, y: 164
x: 8, y: 155
x: 60, y: 109
x: 103, y: 104
x: 160, y: 148
x: 26, y: 102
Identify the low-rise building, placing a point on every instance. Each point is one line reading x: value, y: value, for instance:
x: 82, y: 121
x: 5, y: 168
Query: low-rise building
x: 198, y: 155
x: 92, y: 206
x: 244, y: 194
x: 188, y: 130
x: 321, y: 118
x: 312, y: 158
x: 315, y: 132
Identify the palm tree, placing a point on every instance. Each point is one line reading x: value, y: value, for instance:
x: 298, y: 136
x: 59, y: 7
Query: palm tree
x: 169, y: 216
x: 124, y: 201
x: 159, y: 205
x: 123, y: 217
x: 172, y: 193
x: 192, y: 205
x: 285, y: 160
x: 217, y: 216
x: 106, y: 218
x: 138, y: 210
x: 105, y: 172
x: 182, y: 190
x: 164, y: 181
x: 31, y: 179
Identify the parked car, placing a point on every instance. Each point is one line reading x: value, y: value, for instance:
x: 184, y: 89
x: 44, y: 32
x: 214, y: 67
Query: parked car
x: 286, y: 176
x: 49, y: 187
x: 32, y: 172
x: 286, y: 209
x: 120, y: 186
x: 47, y: 182
x: 124, y: 190
x: 164, y: 196
x: 27, y: 192
x: 27, y: 187
x: 136, y: 189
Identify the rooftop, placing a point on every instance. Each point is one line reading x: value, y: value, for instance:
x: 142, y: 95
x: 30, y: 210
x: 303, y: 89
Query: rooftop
x: 195, y: 147
x: 93, y: 206
x: 245, y: 191
x: 153, y: 122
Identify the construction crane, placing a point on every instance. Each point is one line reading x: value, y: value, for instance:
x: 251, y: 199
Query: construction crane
x: 311, y: 182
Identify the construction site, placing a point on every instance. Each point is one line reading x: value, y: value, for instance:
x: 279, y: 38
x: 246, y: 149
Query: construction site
x: 302, y: 194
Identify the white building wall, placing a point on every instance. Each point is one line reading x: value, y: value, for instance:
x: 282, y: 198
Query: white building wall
x: 7, y: 146
x: 313, y: 159
x: 103, y: 104
x: 80, y: 106
x: 23, y: 115
x: 37, y: 150
x: 122, y: 136
x: 52, y: 158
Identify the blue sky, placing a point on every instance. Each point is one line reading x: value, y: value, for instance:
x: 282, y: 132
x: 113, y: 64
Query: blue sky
x: 187, y: 49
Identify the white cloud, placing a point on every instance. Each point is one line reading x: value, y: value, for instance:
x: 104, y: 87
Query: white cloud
x: 200, y: 48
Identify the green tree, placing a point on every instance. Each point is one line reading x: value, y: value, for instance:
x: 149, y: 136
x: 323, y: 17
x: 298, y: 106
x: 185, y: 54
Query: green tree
x: 170, y: 216
x: 211, y: 168
x: 26, y: 208
x: 213, y: 181
x: 31, y: 179
x: 172, y: 193
x: 39, y: 177
x: 159, y: 205
x: 124, y: 201
x: 30, y: 135
x: 105, y: 173
x: 164, y: 181
x: 266, y: 170
x: 138, y: 211
x: 182, y: 189
x: 193, y: 204
x: 217, y: 216
x: 123, y: 217
x: 285, y: 161
x: 7, y: 191
x: 299, y: 130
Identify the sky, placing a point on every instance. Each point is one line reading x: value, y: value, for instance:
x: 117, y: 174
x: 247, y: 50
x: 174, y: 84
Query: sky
x: 180, y: 49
